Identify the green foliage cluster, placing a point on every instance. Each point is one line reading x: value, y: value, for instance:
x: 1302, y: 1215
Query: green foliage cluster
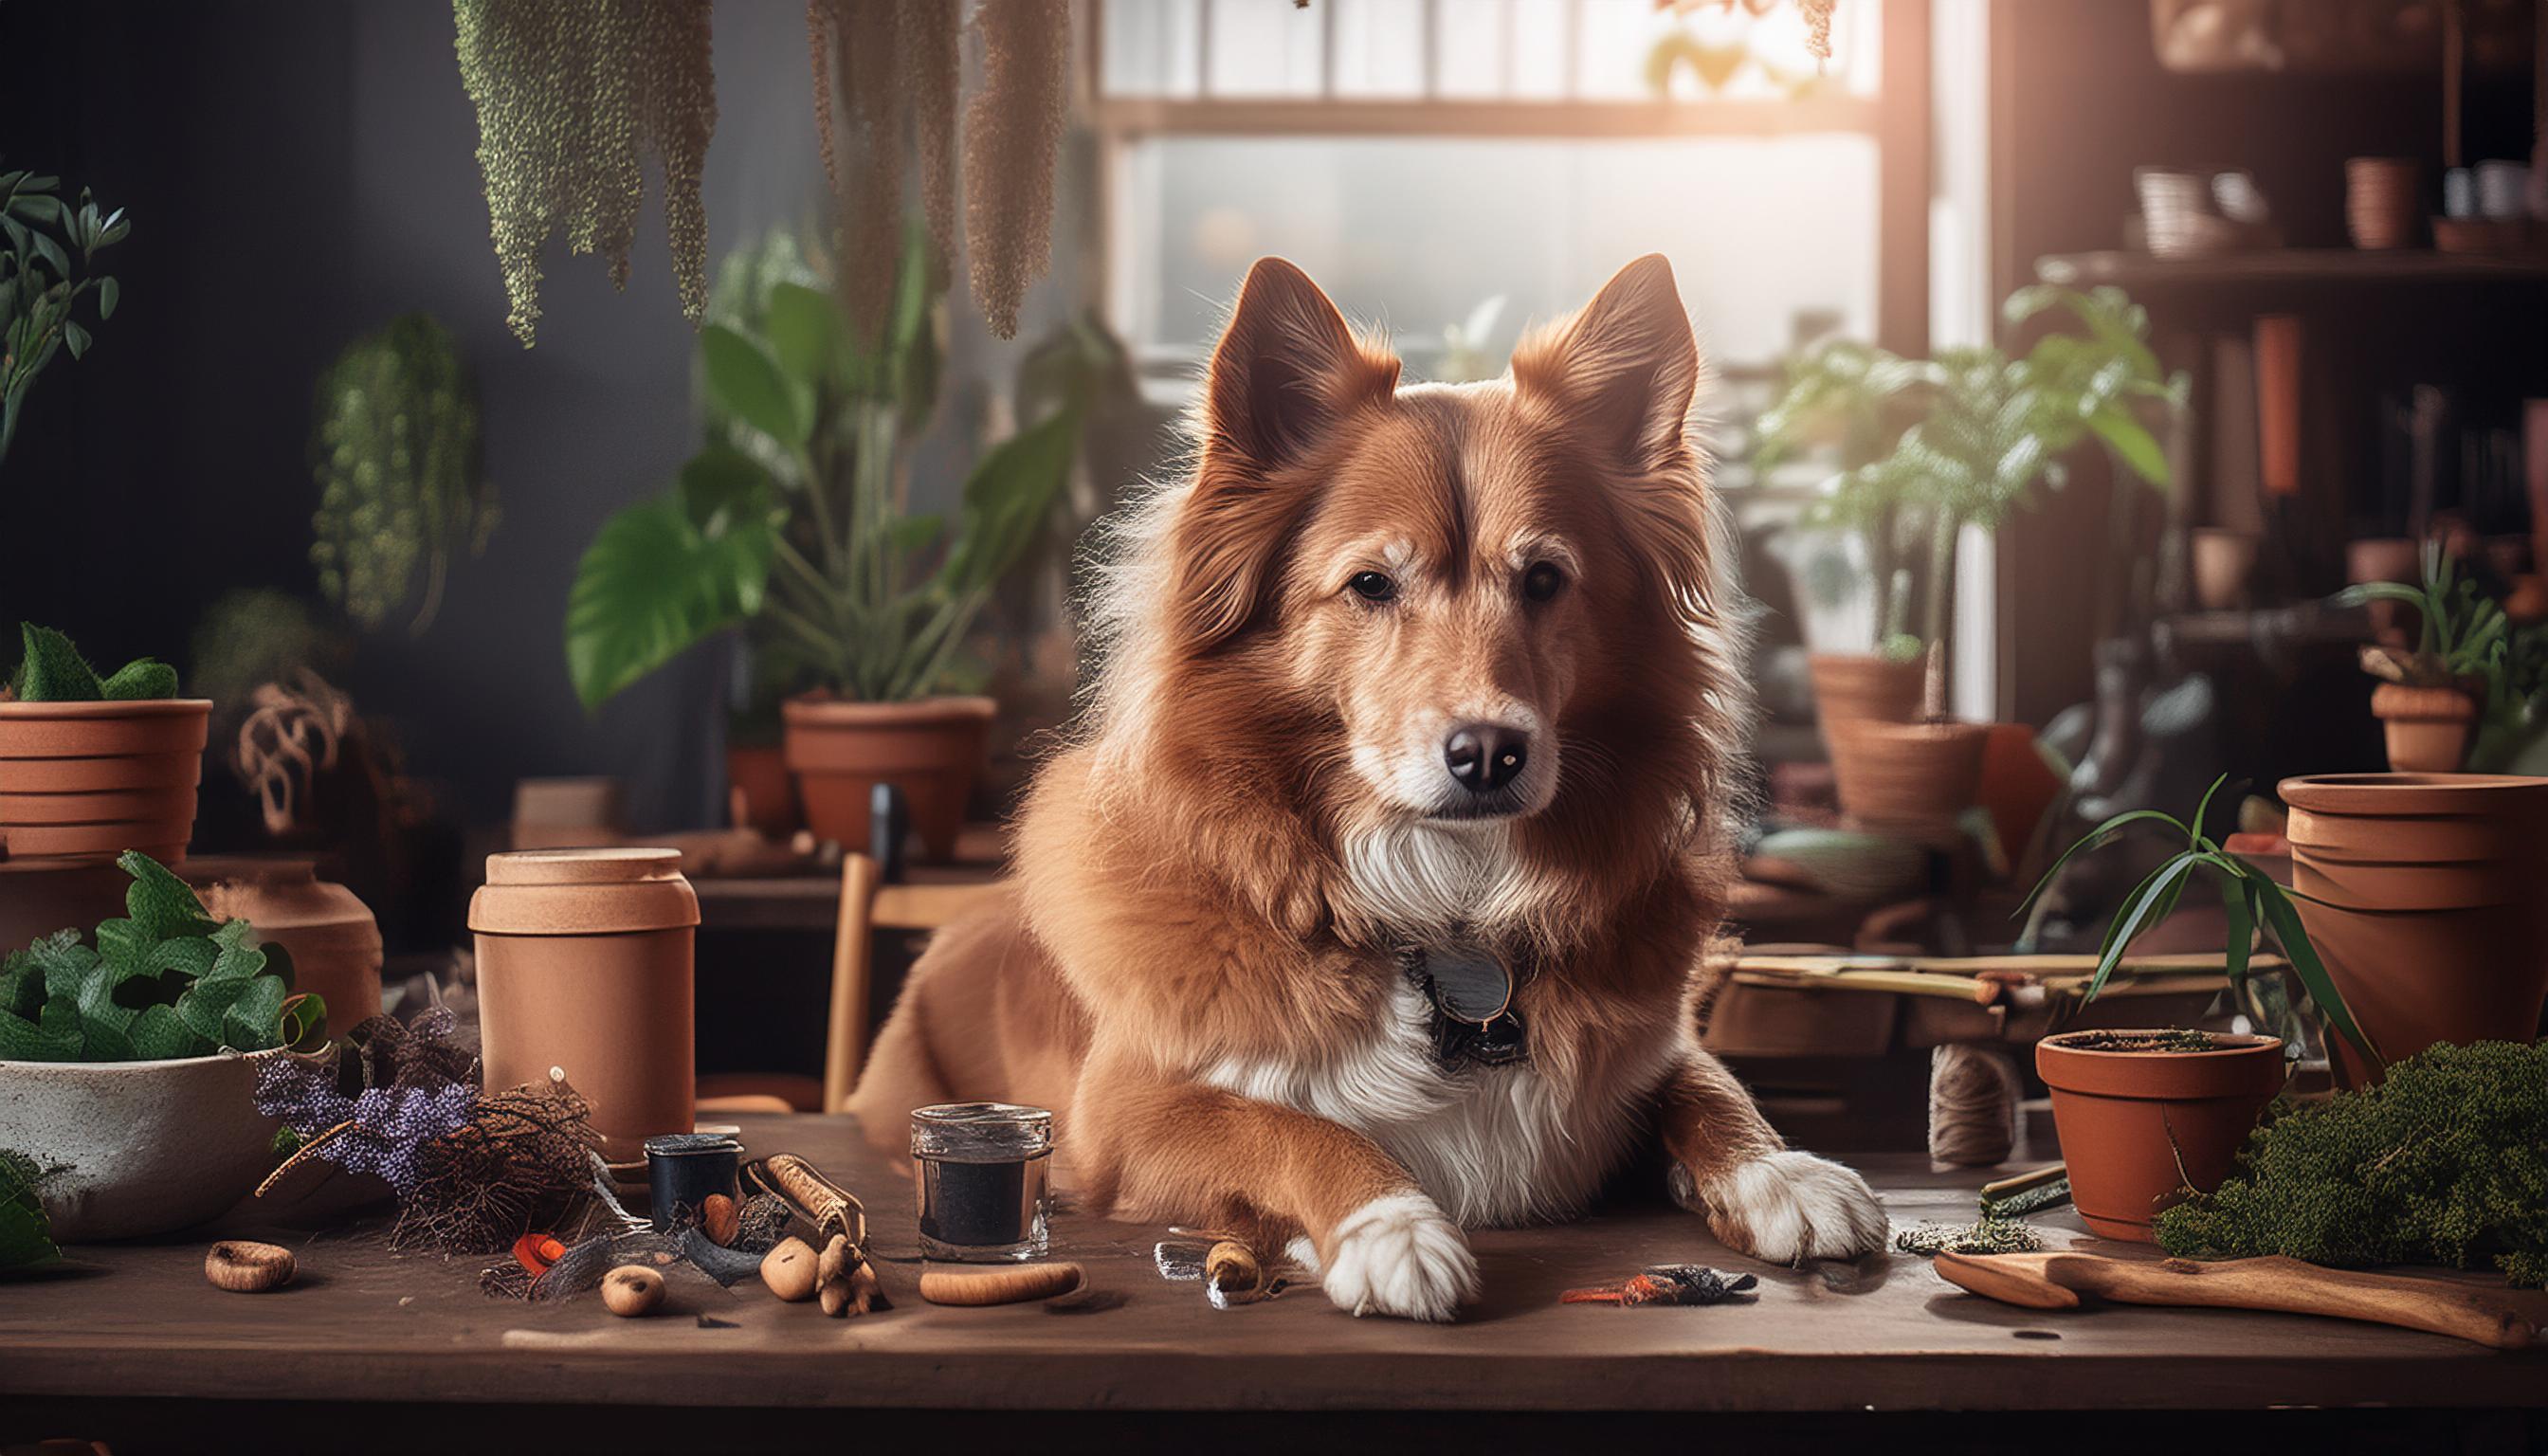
x: 2445, y: 1161
x: 402, y: 488
x: 26, y: 1234
x: 791, y: 516
x: 41, y: 286
x: 161, y: 981
x: 2464, y: 634
x: 53, y: 671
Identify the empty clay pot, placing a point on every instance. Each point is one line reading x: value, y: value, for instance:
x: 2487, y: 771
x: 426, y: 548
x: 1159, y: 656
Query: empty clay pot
x: 1857, y: 687
x: 1907, y: 778
x: 2140, y: 1127
x: 585, y: 965
x: 2425, y: 897
x: 88, y: 780
x: 329, y: 934
x: 932, y: 750
x: 2427, y: 728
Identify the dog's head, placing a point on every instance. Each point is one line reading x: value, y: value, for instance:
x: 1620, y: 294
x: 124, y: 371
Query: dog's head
x: 1465, y: 577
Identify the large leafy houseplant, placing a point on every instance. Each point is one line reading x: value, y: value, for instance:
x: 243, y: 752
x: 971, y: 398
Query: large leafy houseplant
x: 48, y: 263
x: 791, y: 516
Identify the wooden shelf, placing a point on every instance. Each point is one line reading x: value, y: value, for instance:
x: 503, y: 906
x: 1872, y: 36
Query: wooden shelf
x: 2287, y: 267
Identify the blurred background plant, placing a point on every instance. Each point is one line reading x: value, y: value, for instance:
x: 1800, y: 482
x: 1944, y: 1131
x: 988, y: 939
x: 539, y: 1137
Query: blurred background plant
x: 402, y: 488
x: 41, y: 284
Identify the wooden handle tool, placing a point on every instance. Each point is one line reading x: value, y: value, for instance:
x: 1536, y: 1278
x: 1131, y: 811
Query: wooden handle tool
x: 2056, y: 1281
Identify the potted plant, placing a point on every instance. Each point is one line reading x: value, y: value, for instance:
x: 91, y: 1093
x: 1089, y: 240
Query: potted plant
x: 793, y: 519
x: 2430, y: 697
x: 127, y: 1060
x: 92, y: 767
x: 41, y: 284
x: 2144, y: 1116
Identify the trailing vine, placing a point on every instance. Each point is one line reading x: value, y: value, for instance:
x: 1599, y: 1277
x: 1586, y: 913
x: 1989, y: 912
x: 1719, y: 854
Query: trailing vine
x: 396, y: 456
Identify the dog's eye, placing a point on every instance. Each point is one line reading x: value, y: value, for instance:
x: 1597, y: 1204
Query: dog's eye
x: 1542, y: 581
x: 1373, y: 586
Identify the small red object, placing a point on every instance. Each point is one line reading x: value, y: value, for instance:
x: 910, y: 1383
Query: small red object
x: 536, y: 1251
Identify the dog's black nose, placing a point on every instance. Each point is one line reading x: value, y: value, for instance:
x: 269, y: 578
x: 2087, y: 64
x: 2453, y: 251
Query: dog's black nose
x: 1485, y: 757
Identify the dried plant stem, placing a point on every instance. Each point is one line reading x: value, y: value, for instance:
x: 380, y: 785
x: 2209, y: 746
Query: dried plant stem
x: 1012, y: 137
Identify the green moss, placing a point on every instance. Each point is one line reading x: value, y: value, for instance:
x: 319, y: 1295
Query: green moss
x: 2445, y: 1163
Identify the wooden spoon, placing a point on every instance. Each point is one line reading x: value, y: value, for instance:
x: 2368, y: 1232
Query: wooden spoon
x: 2056, y: 1281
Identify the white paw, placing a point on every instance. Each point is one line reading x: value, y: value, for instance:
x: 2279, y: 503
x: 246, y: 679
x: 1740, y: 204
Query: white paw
x: 1398, y: 1255
x: 1786, y: 1207
x: 1303, y: 1252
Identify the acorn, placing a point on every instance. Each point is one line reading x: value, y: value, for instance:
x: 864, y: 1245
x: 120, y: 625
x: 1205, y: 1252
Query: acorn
x: 632, y: 1290
x: 719, y: 1219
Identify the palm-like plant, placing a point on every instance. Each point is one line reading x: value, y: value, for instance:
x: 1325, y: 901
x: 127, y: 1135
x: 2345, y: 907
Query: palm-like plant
x: 41, y: 286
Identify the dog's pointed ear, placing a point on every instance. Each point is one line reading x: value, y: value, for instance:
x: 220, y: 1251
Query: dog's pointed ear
x: 1623, y: 370
x: 1286, y: 371
x: 1286, y: 368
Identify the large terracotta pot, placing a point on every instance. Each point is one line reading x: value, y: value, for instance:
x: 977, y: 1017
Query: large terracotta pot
x: 1860, y: 687
x: 932, y: 750
x: 2428, y: 729
x: 585, y: 965
x: 2427, y: 894
x: 88, y: 780
x: 2138, y: 1129
x: 329, y: 934
x: 144, y: 1147
x: 1907, y: 778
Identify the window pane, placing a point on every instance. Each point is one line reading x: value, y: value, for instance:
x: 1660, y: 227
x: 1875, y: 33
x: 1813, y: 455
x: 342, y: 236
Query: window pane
x: 1153, y: 47
x: 1417, y: 232
x: 1262, y: 49
x: 1379, y: 47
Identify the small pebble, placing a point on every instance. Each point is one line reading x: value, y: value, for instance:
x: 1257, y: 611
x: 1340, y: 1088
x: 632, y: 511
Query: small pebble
x: 632, y: 1290
x: 788, y: 1269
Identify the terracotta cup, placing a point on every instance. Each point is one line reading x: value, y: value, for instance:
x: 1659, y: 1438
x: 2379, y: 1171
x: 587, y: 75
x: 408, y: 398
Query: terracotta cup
x: 2428, y: 729
x: 329, y: 934
x: 88, y: 780
x: 2140, y: 1127
x: 1908, y: 778
x: 583, y: 965
x: 932, y: 750
x: 2427, y: 894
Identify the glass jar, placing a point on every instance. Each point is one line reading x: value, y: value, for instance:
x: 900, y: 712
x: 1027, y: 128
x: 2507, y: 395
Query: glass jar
x: 981, y: 1170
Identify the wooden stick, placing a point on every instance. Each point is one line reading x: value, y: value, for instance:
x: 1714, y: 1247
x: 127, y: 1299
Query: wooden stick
x: 1006, y: 1286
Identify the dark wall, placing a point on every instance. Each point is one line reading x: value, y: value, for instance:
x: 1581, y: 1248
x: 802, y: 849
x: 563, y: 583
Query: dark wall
x: 298, y: 172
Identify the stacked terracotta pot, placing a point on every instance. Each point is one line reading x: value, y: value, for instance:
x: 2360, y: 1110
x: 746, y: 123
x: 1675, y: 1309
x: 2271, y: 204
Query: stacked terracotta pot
x: 81, y: 783
x: 1894, y: 775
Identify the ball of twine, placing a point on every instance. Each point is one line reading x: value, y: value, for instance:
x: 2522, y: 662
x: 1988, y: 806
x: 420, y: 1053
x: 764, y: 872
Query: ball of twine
x: 1974, y: 1093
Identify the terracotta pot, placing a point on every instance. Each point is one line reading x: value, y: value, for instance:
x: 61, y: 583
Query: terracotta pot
x: 1908, y: 778
x: 1857, y: 686
x: 2383, y: 198
x: 758, y: 793
x: 88, y: 780
x: 2425, y: 901
x: 2016, y: 785
x: 585, y: 965
x: 932, y: 750
x: 329, y: 934
x: 144, y: 1147
x: 2141, y: 1128
x: 2223, y: 562
x: 2427, y: 728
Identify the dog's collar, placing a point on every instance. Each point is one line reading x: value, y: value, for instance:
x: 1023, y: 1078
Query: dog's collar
x: 1470, y: 991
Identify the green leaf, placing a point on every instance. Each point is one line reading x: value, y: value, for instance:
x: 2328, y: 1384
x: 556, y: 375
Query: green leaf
x: 74, y: 337
x: 160, y: 903
x: 107, y: 296
x: 2285, y: 922
x: 651, y: 586
x: 2133, y: 444
x: 254, y: 1021
x: 305, y: 1021
x: 207, y: 1002
x: 2194, y: 826
x: 54, y: 1035
x: 720, y: 487
x: 25, y: 1235
x: 2239, y: 907
x: 744, y: 381
x: 2090, y: 841
x: 805, y: 331
x: 140, y: 681
x: 158, y: 1033
x: 1008, y: 501
x: 2147, y: 906
x: 52, y: 670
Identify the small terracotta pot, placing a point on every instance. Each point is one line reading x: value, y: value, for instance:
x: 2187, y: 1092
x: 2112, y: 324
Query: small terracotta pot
x: 2425, y: 897
x: 2384, y: 558
x: 932, y: 750
x: 329, y: 934
x: 2223, y: 561
x: 2383, y: 198
x: 2141, y: 1128
x: 585, y: 965
x: 88, y: 780
x: 1858, y: 687
x: 2427, y: 728
x: 1908, y: 778
x: 758, y: 793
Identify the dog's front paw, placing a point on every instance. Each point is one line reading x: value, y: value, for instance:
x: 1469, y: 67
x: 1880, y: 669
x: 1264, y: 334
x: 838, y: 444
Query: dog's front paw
x: 1398, y: 1255
x: 1786, y: 1207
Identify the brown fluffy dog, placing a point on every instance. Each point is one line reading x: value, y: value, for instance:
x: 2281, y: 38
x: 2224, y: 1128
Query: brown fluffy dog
x: 1398, y: 677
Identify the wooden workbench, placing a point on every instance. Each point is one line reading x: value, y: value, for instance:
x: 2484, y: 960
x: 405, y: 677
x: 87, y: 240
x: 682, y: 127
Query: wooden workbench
x: 137, y: 1334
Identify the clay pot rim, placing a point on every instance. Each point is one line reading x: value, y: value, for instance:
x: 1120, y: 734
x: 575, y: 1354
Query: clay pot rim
x: 2405, y: 795
x: 81, y: 1069
x: 597, y: 864
x: 140, y: 707
x: 2155, y: 1075
x: 2230, y: 1043
x: 812, y: 711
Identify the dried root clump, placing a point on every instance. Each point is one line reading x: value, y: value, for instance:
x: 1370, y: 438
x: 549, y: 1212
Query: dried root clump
x: 2445, y: 1161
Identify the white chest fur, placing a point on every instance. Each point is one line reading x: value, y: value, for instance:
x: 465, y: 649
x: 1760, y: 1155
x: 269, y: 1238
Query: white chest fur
x: 1492, y: 1145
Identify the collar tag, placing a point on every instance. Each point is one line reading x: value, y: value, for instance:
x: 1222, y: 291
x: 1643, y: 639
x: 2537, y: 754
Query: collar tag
x: 1469, y: 984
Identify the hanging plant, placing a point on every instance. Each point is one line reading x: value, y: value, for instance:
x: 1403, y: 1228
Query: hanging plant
x: 568, y: 93
x: 396, y: 452
x: 1012, y: 136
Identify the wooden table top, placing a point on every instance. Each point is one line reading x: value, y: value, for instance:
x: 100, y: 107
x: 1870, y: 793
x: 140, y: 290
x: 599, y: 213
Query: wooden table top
x: 360, y: 1323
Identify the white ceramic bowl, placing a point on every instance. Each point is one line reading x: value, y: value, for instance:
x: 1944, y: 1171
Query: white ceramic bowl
x: 144, y: 1147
